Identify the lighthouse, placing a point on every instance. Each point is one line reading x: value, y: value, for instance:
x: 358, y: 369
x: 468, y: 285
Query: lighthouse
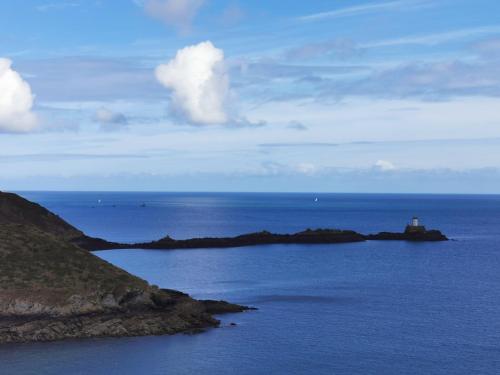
x: 415, y: 226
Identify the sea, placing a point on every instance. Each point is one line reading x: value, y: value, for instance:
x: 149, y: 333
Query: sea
x: 389, y: 308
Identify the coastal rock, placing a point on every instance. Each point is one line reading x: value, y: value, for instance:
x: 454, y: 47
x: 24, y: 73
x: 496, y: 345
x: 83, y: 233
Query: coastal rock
x: 414, y: 236
x: 309, y: 236
x: 101, y: 325
x: 51, y: 289
x: 223, y: 307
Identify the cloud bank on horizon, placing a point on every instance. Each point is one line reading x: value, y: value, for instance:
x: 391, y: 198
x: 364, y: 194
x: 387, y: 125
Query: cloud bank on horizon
x: 16, y: 101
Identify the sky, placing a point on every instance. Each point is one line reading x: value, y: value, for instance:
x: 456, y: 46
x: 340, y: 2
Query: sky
x: 227, y: 95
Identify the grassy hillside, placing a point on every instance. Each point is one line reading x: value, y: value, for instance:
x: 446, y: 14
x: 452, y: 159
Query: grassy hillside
x: 51, y: 289
x: 40, y: 273
x: 17, y: 210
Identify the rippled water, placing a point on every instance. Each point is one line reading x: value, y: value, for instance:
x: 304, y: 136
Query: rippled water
x: 363, y: 308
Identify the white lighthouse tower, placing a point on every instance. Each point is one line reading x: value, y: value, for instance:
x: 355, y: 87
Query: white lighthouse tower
x: 415, y: 226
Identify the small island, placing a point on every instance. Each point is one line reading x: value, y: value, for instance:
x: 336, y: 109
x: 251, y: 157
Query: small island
x: 414, y: 232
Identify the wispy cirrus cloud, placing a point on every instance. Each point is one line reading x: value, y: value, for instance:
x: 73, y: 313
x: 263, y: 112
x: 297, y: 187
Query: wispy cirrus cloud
x: 338, y: 47
x: 488, y: 48
x: 298, y: 145
x: 39, y: 157
x: 398, y: 5
x: 176, y: 13
x: 232, y: 15
x: 475, y: 74
x: 430, y: 81
x: 435, y: 38
x: 87, y: 78
x: 57, y: 6
x: 297, y: 125
x: 271, y: 70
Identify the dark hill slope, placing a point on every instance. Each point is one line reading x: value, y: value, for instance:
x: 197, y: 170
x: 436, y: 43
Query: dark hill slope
x: 17, y: 210
x: 51, y: 289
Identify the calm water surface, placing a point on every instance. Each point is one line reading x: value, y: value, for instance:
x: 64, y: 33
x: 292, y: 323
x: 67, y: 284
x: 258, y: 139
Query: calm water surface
x: 364, y: 308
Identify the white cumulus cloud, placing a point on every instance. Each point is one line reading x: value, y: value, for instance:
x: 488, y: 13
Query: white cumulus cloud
x: 16, y: 101
x: 385, y: 165
x: 176, y: 13
x: 198, y: 82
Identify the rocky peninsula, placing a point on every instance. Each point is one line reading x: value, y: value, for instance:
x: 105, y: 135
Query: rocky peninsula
x: 309, y: 236
x: 51, y: 289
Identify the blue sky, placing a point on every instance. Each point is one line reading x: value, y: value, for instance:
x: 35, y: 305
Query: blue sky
x: 338, y: 95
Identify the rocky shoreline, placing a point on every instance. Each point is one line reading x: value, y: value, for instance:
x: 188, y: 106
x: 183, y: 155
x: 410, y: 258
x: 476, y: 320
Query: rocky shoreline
x: 53, y: 290
x: 188, y: 316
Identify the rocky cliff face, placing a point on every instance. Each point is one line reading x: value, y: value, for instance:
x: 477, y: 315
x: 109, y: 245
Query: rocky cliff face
x: 51, y: 289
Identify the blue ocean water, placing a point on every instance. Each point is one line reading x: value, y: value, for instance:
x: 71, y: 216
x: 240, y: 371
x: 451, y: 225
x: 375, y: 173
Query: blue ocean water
x: 364, y: 308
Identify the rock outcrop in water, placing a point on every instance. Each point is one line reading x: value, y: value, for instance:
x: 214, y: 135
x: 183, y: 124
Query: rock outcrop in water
x: 423, y: 236
x: 51, y: 289
x: 318, y: 236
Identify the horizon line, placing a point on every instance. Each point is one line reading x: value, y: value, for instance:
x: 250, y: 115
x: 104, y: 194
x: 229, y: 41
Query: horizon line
x: 246, y: 192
